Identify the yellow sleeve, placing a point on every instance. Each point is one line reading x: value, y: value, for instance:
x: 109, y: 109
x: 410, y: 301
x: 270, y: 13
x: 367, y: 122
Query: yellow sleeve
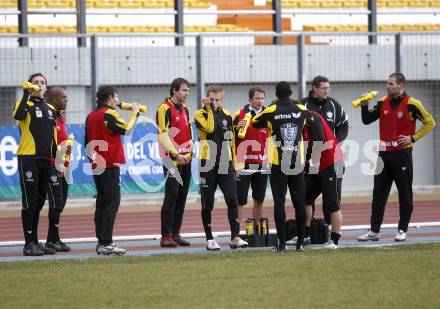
x: 425, y: 117
x: 204, y: 119
x: 114, y: 122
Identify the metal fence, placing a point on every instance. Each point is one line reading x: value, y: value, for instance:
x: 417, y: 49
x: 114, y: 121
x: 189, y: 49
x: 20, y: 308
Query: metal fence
x: 142, y: 67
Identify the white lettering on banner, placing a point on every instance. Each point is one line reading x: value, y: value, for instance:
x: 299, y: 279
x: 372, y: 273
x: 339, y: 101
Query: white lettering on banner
x: 135, y: 151
x: 8, y: 166
x: 153, y: 150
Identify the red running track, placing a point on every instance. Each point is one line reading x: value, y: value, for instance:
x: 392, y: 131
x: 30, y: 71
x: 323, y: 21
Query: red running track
x: 148, y: 222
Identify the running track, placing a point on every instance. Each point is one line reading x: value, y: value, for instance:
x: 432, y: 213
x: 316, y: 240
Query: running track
x: 148, y: 222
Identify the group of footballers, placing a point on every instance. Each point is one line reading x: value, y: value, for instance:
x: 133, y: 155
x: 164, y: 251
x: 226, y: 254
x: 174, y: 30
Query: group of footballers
x: 296, y: 144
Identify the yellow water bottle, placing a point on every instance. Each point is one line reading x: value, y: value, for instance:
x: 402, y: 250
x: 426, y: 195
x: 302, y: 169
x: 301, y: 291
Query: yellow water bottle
x: 243, y: 130
x: 69, y: 143
x: 365, y: 98
x: 129, y: 106
x: 30, y: 86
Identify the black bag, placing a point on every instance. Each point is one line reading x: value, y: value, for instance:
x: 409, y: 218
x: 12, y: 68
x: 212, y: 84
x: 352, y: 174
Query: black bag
x: 291, y: 229
x: 318, y: 231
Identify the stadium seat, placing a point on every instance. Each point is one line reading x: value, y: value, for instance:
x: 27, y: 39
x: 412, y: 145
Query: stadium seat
x: 105, y: 4
x: 8, y: 29
x: 330, y: 4
x: 130, y: 4
x: 8, y: 4
x: 60, y: 4
x: 306, y: 4
x: 419, y: 4
x: 153, y: 4
x: 35, y: 4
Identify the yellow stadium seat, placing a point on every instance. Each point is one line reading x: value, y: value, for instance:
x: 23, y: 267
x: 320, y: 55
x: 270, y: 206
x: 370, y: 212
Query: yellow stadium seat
x: 354, y: 4
x: 305, y: 4
x: 105, y: 4
x: 130, y: 4
x: 434, y: 3
x: 329, y: 4
x: 35, y: 4
x: 8, y: 4
x: 419, y: 4
x: 396, y: 4
x: 197, y: 4
x: 290, y: 4
x: 60, y: 4
x: 8, y: 29
x: 153, y: 4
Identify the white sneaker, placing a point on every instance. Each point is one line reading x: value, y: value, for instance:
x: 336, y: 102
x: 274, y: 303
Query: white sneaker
x: 237, y: 242
x: 292, y: 242
x: 331, y: 245
x: 211, y: 244
x: 400, y: 236
x: 110, y: 249
x: 370, y: 235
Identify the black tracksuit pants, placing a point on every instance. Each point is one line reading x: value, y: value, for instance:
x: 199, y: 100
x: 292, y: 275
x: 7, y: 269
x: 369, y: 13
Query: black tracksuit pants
x: 279, y: 183
x: 108, y: 189
x: 174, y: 200
x: 57, y: 195
x: 34, y: 181
x: 227, y: 183
x: 397, y: 167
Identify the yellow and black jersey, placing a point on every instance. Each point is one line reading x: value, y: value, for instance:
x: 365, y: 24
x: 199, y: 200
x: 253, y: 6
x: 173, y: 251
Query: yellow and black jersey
x: 415, y: 110
x: 215, y: 131
x: 38, y: 131
x: 114, y: 122
x: 286, y: 120
x: 174, y: 128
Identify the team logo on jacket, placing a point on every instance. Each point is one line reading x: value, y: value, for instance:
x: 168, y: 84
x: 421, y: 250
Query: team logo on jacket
x: 50, y: 113
x: 54, y: 179
x: 225, y: 124
x: 399, y: 114
x: 329, y: 116
x: 289, y: 132
x: 29, y: 176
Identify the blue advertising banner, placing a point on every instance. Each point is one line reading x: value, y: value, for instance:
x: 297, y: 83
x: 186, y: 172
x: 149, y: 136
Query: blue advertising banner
x: 142, y: 173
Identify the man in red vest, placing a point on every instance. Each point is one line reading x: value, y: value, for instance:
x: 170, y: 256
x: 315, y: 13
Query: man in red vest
x: 104, y: 127
x: 176, y: 146
x: 323, y: 179
x: 397, y: 114
x: 251, y: 155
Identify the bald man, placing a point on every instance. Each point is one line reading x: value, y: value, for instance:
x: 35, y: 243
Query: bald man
x: 58, y: 187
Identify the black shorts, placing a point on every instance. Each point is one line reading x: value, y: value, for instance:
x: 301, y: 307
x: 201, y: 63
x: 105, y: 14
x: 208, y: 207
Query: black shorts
x: 257, y: 181
x: 324, y: 182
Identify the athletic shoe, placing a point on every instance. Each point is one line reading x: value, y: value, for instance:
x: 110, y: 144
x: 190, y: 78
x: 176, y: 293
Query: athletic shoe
x: 400, y: 236
x: 32, y: 250
x: 237, y: 242
x: 110, y: 249
x: 370, y: 235
x: 331, y: 245
x: 46, y: 250
x: 280, y: 248
x: 168, y: 242
x: 180, y: 241
x: 58, y: 246
x: 299, y: 248
x: 292, y: 242
x: 211, y: 244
